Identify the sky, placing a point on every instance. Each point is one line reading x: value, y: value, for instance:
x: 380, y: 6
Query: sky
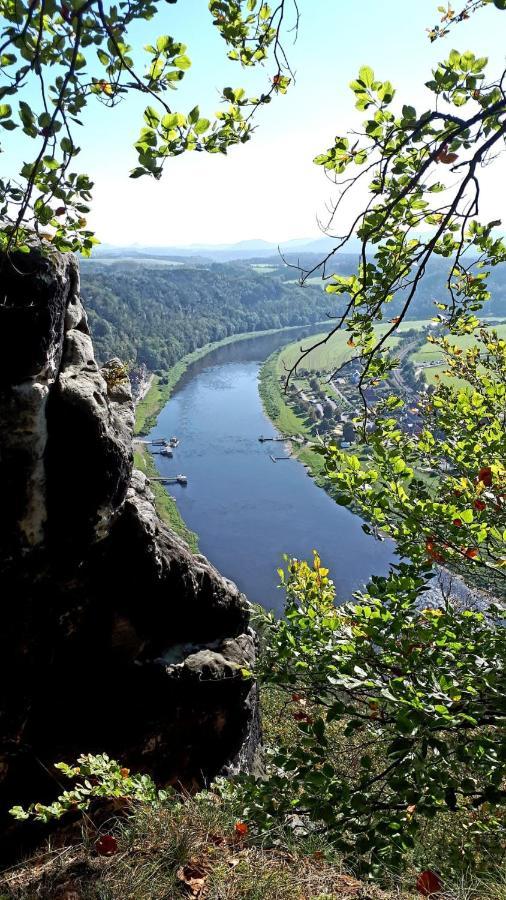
x: 269, y: 188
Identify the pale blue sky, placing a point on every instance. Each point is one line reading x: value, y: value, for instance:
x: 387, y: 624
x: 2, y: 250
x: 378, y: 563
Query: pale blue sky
x: 268, y: 188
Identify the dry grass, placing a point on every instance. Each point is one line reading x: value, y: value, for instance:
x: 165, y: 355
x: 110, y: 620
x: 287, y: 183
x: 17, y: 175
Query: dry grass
x: 191, y: 851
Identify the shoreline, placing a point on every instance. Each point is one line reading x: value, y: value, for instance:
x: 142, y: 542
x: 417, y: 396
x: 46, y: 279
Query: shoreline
x: 286, y: 421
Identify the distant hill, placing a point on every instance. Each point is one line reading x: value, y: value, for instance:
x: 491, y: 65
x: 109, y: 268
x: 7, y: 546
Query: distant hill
x: 248, y: 249
x: 154, y: 310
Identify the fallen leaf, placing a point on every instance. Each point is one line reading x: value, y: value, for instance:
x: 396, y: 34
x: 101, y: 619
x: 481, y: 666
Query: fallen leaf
x: 428, y: 884
x: 216, y: 839
x: 471, y: 553
x: 193, y: 875
x: 69, y: 893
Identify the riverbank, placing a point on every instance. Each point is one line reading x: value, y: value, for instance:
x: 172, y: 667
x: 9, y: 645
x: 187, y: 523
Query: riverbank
x: 166, y: 505
x: 286, y: 420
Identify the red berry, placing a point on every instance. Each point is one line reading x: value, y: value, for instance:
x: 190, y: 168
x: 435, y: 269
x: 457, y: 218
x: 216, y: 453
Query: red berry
x: 457, y: 523
x: 480, y: 505
x: 106, y: 845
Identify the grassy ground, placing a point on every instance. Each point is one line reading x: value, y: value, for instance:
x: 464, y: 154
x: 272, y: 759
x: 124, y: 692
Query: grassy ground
x: 148, y: 408
x: 284, y: 418
x: 191, y: 848
x: 187, y: 851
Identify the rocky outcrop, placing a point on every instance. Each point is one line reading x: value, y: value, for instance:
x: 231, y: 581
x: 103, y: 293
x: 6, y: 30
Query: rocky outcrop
x: 114, y: 636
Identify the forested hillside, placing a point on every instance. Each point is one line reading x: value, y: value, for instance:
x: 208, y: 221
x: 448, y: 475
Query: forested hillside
x: 155, y: 314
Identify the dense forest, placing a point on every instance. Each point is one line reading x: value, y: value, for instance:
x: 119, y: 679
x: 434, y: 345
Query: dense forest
x: 155, y: 314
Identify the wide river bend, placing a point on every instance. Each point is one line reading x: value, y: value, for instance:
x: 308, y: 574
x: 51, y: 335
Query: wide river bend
x: 247, y: 510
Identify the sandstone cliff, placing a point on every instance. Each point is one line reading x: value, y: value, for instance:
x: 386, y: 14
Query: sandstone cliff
x: 113, y: 635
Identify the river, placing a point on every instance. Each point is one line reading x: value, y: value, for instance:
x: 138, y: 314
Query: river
x: 247, y: 510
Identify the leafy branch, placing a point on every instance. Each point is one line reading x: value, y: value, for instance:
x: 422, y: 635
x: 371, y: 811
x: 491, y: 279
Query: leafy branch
x: 86, y: 45
x: 423, y: 171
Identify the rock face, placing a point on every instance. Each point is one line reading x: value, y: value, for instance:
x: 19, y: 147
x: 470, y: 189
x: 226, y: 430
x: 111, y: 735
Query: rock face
x: 114, y: 636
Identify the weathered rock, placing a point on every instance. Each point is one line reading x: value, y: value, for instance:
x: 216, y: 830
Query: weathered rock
x: 114, y: 636
x: 35, y: 292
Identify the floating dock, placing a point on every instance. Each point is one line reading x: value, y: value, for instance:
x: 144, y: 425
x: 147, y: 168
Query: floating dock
x: 170, y: 479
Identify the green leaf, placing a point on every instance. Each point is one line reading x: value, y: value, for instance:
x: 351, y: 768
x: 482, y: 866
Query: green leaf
x: 26, y: 115
x: 151, y: 116
x: 193, y: 115
x: 173, y: 120
x: 366, y: 76
x: 163, y: 43
x: 201, y: 126
x: 67, y: 145
x: 182, y: 62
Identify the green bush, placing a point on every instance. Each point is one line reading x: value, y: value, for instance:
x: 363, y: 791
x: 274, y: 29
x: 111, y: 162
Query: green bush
x: 400, y: 714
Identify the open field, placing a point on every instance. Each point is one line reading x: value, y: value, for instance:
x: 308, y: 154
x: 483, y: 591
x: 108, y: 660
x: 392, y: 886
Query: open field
x: 335, y: 352
x: 263, y: 268
x: 314, y: 279
x: 429, y: 352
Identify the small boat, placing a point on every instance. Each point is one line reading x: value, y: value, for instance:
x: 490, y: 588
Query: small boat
x: 174, y: 442
x: 160, y: 442
x: 181, y: 479
x: 166, y: 452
